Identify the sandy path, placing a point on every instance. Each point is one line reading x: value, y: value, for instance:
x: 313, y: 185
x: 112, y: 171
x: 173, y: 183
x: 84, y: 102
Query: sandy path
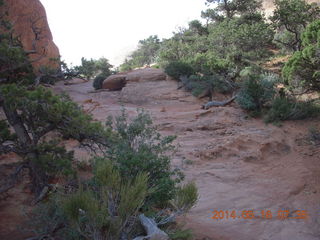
x: 238, y: 163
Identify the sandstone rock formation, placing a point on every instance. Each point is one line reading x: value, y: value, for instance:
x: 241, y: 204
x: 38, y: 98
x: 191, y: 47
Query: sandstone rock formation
x: 114, y: 82
x: 147, y: 74
x: 118, y: 81
x: 30, y: 24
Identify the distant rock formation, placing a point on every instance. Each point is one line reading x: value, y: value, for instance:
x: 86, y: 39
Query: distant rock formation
x: 30, y: 24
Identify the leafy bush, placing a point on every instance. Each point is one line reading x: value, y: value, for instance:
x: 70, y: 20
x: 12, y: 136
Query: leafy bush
x: 288, y: 109
x: 178, y: 69
x: 256, y: 92
x: 248, y: 40
x: 291, y: 17
x: 53, y: 159
x: 106, y: 209
x: 185, y: 197
x: 98, y: 80
x: 208, y: 83
x: 134, y: 176
x: 209, y: 63
x: 303, y: 68
x: 140, y: 148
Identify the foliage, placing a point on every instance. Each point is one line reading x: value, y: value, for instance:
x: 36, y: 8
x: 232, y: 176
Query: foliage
x: 289, y: 109
x: 231, y: 8
x: 34, y: 114
x: 103, y: 66
x: 135, y: 175
x: 90, y: 68
x: 144, y: 55
x: 210, y: 63
x: 200, y: 85
x: 53, y: 159
x: 256, y: 92
x: 240, y: 40
x: 140, y: 148
x: 107, y: 210
x: 14, y: 63
x: 87, y: 68
x: 48, y: 219
x: 303, y: 68
x: 98, y: 80
x: 178, y: 69
x: 291, y: 17
x: 185, y: 197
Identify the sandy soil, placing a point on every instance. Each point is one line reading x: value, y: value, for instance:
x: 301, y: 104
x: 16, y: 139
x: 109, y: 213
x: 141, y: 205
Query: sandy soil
x: 238, y: 163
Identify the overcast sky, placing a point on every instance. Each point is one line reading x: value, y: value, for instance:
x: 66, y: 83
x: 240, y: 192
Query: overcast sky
x: 112, y: 28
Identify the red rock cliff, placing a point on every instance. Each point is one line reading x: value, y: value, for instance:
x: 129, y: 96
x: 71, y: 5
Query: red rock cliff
x: 31, y: 26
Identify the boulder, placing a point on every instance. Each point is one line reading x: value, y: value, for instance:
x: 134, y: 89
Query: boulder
x: 147, y: 74
x: 114, y: 82
x: 30, y: 24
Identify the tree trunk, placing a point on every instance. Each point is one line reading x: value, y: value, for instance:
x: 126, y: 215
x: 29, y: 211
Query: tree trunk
x: 218, y: 103
x: 154, y: 233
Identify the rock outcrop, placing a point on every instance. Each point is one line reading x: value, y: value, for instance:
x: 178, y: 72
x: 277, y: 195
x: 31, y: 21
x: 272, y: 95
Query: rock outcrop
x: 30, y: 24
x: 118, y: 81
x: 114, y: 82
x: 146, y: 75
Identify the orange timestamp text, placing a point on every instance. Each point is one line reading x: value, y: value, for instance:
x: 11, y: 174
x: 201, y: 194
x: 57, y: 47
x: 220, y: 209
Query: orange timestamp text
x: 258, y: 214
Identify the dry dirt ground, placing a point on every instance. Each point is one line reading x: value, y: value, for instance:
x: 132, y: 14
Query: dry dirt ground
x: 238, y: 163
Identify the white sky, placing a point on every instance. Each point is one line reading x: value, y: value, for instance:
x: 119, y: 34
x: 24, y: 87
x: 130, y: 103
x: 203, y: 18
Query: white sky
x: 112, y: 28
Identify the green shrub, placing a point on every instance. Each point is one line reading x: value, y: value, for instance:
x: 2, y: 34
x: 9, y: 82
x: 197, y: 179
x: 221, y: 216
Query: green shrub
x: 256, y: 92
x: 288, y: 109
x: 209, y: 63
x: 303, y: 68
x: 178, y: 69
x: 98, y: 80
x: 54, y: 159
x: 212, y: 83
x: 103, y: 209
x: 186, y: 197
x: 140, y: 148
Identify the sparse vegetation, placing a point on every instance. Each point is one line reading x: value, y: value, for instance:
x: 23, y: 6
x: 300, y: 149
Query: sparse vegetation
x: 130, y: 172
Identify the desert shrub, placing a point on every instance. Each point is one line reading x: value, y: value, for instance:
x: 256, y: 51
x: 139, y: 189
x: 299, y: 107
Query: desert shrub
x: 98, y: 80
x: 302, y: 69
x: 53, y: 159
x: 256, y: 92
x: 209, y: 63
x: 185, y: 197
x: 48, y: 74
x: 178, y: 69
x: 242, y: 39
x: 290, y: 109
x: 104, y: 211
x: 139, y: 147
x: 48, y: 219
x: 208, y: 83
x: 132, y: 178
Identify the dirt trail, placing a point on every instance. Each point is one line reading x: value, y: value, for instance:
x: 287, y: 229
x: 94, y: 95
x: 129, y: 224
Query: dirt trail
x: 238, y: 163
